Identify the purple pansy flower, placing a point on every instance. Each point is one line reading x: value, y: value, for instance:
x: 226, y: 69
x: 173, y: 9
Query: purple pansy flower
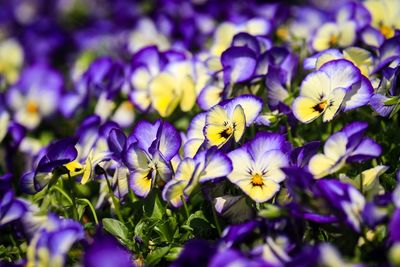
x: 57, y: 155
x: 105, y: 251
x: 149, y: 157
x: 52, y: 241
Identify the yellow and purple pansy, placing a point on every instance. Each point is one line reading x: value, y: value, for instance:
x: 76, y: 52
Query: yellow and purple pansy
x: 257, y: 166
x: 229, y: 120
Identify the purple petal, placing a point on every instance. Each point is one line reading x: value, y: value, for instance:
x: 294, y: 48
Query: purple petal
x: 239, y: 64
x: 394, y: 227
x: 359, y: 95
x: 169, y: 140
x: 367, y: 149
x: 244, y: 39
x: 145, y: 133
x: 216, y: 164
x: 210, y: 96
x: 106, y: 251
x: 378, y: 104
x: 264, y: 142
x: 116, y: 142
x: 27, y: 183
x: 358, y: 127
x: 300, y: 156
x: 58, y: 154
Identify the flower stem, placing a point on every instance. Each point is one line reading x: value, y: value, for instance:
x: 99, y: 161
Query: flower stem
x: 216, y: 221
x: 70, y: 184
x: 91, y: 209
x: 114, y: 199
x: 185, y: 207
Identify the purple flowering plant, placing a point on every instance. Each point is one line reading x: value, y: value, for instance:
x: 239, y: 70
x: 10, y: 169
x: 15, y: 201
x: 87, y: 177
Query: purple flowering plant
x: 199, y: 133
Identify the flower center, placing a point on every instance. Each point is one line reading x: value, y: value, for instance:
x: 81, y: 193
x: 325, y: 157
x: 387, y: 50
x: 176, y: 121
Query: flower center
x: 257, y: 180
x: 32, y: 107
x: 334, y: 39
x: 127, y: 105
x: 386, y: 31
x: 320, y: 107
x: 226, y: 133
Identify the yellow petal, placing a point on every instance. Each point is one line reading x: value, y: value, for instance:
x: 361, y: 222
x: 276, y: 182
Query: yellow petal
x: 188, y: 94
x: 320, y: 165
x: 259, y: 193
x: 163, y: 94
x: 214, y: 136
x: 217, y: 115
x: 303, y: 109
x: 239, y: 122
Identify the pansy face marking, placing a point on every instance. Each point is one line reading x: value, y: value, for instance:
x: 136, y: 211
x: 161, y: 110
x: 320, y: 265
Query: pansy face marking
x: 323, y: 92
x: 221, y: 128
x: 257, y: 166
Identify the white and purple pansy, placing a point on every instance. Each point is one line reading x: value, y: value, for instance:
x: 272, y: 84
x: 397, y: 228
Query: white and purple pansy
x: 337, y: 84
x: 205, y: 166
x: 347, y: 145
x: 52, y: 241
x: 149, y: 157
x: 35, y: 95
x: 257, y: 166
x: 345, y: 200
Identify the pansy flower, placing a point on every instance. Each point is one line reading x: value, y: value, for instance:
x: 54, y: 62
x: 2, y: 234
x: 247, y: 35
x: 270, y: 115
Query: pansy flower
x: 345, y: 200
x: 35, y: 95
x: 336, y: 84
x: 205, y: 166
x: 257, y: 166
x: 385, y: 14
x: 106, y: 251
x: 51, y: 243
x: 346, y: 145
x: 330, y: 34
x: 174, y: 86
x: 60, y: 154
x: 149, y: 157
x: 229, y: 120
x: 144, y: 66
x: 11, y: 208
x: 11, y: 59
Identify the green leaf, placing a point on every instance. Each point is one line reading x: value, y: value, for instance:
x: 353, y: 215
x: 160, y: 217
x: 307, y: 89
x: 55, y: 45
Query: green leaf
x: 153, y: 206
x: 270, y: 212
x: 117, y: 229
x: 392, y: 101
x: 166, y: 229
x: 156, y: 255
x: 200, y: 225
x: 173, y: 253
x: 81, y: 209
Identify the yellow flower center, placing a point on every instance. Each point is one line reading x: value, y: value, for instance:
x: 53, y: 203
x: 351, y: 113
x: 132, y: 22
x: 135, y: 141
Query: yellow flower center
x: 320, y: 107
x: 127, y: 105
x: 32, y: 107
x: 386, y: 31
x: 282, y: 32
x: 334, y: 39
x: 257, y: 180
